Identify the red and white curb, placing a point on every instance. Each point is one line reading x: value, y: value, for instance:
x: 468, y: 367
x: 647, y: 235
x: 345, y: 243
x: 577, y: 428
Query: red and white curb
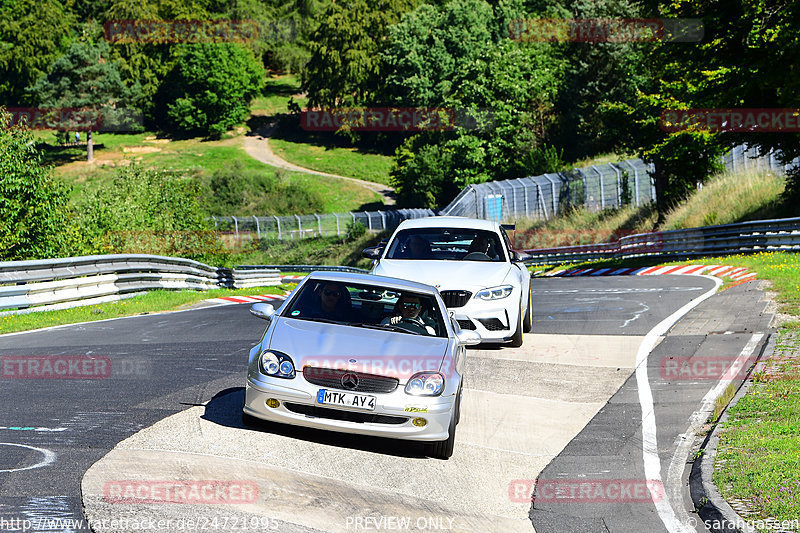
x: 733, y: 273
x: 245, y: 299
x: 291, y: 279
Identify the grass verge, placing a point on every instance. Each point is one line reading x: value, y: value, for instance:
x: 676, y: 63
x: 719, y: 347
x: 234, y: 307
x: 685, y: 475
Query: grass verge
x: 151, y: 302
x: 758, y: 457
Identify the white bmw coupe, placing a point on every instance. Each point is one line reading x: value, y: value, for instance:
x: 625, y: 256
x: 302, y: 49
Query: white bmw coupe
x: 482, y: 280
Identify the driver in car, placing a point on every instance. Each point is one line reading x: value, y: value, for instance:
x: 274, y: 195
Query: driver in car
x: 409, y: 307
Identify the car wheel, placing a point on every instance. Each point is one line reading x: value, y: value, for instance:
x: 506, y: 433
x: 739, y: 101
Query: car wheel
x: 443, y: 449
x: 527, y: 325
x: 516, y: 340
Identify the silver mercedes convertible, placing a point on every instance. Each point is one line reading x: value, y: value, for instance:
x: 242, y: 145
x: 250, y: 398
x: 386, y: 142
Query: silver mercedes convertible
x: 361, y: 354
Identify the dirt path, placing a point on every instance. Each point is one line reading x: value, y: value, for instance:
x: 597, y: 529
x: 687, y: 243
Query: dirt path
x: 257, y: 147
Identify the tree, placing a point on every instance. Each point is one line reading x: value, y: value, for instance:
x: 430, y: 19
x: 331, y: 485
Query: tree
x: 34, y: 218
x: 500, y: 91
x: 345, y: 64
x: 84, y: 78
x: 33, y: 33
x: 210, y: 88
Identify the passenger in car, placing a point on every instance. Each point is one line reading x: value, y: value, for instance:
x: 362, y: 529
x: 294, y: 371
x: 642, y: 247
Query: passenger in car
x: 333, y: 303
x: 419, y: 248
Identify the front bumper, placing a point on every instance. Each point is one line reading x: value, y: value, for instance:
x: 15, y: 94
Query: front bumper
x: 495, y: 323
x: 389, y: 419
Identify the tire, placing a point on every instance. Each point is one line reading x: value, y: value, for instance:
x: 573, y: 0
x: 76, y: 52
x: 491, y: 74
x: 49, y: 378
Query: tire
x: 516, y: 340
x: 527, y: 324
x: 443, y: 449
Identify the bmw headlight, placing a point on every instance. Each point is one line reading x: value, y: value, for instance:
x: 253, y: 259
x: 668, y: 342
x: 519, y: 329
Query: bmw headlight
x: 425, y: 384
x: 495, y: 293
x: 277, y: 364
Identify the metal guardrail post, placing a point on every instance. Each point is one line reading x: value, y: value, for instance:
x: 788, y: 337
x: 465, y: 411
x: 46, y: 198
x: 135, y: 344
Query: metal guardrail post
x: 277, y: 220
x: 236, y: 226
x: 383, y: 221
x: 258, y: 228
x: 319, y: 224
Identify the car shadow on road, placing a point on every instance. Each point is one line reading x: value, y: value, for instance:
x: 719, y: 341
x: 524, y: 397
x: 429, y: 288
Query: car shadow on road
x: 225, y: 409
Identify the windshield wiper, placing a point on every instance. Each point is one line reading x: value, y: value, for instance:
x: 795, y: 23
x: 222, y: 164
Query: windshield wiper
x: 384, y: 327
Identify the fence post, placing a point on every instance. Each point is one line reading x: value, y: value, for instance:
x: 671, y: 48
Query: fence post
x: 338, y: 232
x: 279, y: 226
x: 319, y: 224
x: 354, y: 217
x: 299, y: 227
x: 602, y: 188
x: 258, y: 228
x: 215, y: 222
x: 236, y: 226
x: 619, y: 186
x: 383, y: 221
x: 635, y: 180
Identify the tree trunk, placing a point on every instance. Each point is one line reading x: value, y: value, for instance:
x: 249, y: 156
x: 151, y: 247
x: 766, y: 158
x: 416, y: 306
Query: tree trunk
x: 89, y: 147
x: 660, y: 182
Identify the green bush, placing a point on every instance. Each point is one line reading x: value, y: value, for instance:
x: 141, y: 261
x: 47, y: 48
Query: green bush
x: 209, y: 89
x: 354, y: 230
x: 148, y: 211
x: 34, y: 216
x: 236, y: 190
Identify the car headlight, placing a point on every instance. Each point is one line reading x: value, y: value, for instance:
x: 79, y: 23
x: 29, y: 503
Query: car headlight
x: 425, y: 384
x: 495, y: 293
x: 276, y: 364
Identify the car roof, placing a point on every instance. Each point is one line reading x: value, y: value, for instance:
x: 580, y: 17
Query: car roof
x: 450, y: 222
x: 371, y: 279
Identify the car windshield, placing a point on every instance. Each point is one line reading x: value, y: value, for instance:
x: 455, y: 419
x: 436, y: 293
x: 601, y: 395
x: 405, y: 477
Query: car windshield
x: 446, y: 244
x: 367, y: 306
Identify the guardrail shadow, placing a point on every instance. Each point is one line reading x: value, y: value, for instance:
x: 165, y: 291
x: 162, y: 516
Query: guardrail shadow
x: 225, y: 409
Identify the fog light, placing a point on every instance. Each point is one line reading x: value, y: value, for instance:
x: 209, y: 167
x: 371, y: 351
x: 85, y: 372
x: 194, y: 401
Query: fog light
x: 272, y: 402
x: 419, y: 422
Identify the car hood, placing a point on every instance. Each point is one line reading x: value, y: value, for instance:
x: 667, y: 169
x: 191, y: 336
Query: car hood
x: 446, y: 275
x: 372, y: 351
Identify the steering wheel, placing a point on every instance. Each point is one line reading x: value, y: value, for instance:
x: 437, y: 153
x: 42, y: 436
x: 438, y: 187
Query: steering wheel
x: 414, y: 325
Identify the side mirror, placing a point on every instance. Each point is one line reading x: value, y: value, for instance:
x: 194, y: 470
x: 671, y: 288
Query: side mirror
x: 468, y: 337
x: 262, y: 310
x: 374, y: 252
x: 521, y: 256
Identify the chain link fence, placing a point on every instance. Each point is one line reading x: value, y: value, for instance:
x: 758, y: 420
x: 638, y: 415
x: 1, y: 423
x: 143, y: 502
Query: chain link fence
x: 595, y: 187
x: 316, y: 225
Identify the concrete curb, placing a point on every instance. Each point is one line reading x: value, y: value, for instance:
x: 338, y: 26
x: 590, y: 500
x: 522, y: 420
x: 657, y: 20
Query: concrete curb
x: 717, y: 514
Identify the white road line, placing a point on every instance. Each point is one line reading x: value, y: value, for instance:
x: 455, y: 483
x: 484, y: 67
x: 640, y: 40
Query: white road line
x: 652, y: 464
x: 674, y: 486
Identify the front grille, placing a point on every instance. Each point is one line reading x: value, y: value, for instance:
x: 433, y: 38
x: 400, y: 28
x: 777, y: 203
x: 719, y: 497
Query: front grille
x: 347, y: 416
x: 492, y: 324
x: 455, y: 298
x: 331, y: 378
x: 466, y: 324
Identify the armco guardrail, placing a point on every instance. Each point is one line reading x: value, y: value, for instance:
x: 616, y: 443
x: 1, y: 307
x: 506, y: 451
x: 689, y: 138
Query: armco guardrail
x: 303, y: 268
x: 41, y: 285
x: 743, y: 237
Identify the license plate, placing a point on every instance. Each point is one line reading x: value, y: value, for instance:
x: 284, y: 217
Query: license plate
x: 346, y: 399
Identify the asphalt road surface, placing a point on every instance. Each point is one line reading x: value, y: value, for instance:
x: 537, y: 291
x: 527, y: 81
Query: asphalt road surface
x: 55, y: 423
